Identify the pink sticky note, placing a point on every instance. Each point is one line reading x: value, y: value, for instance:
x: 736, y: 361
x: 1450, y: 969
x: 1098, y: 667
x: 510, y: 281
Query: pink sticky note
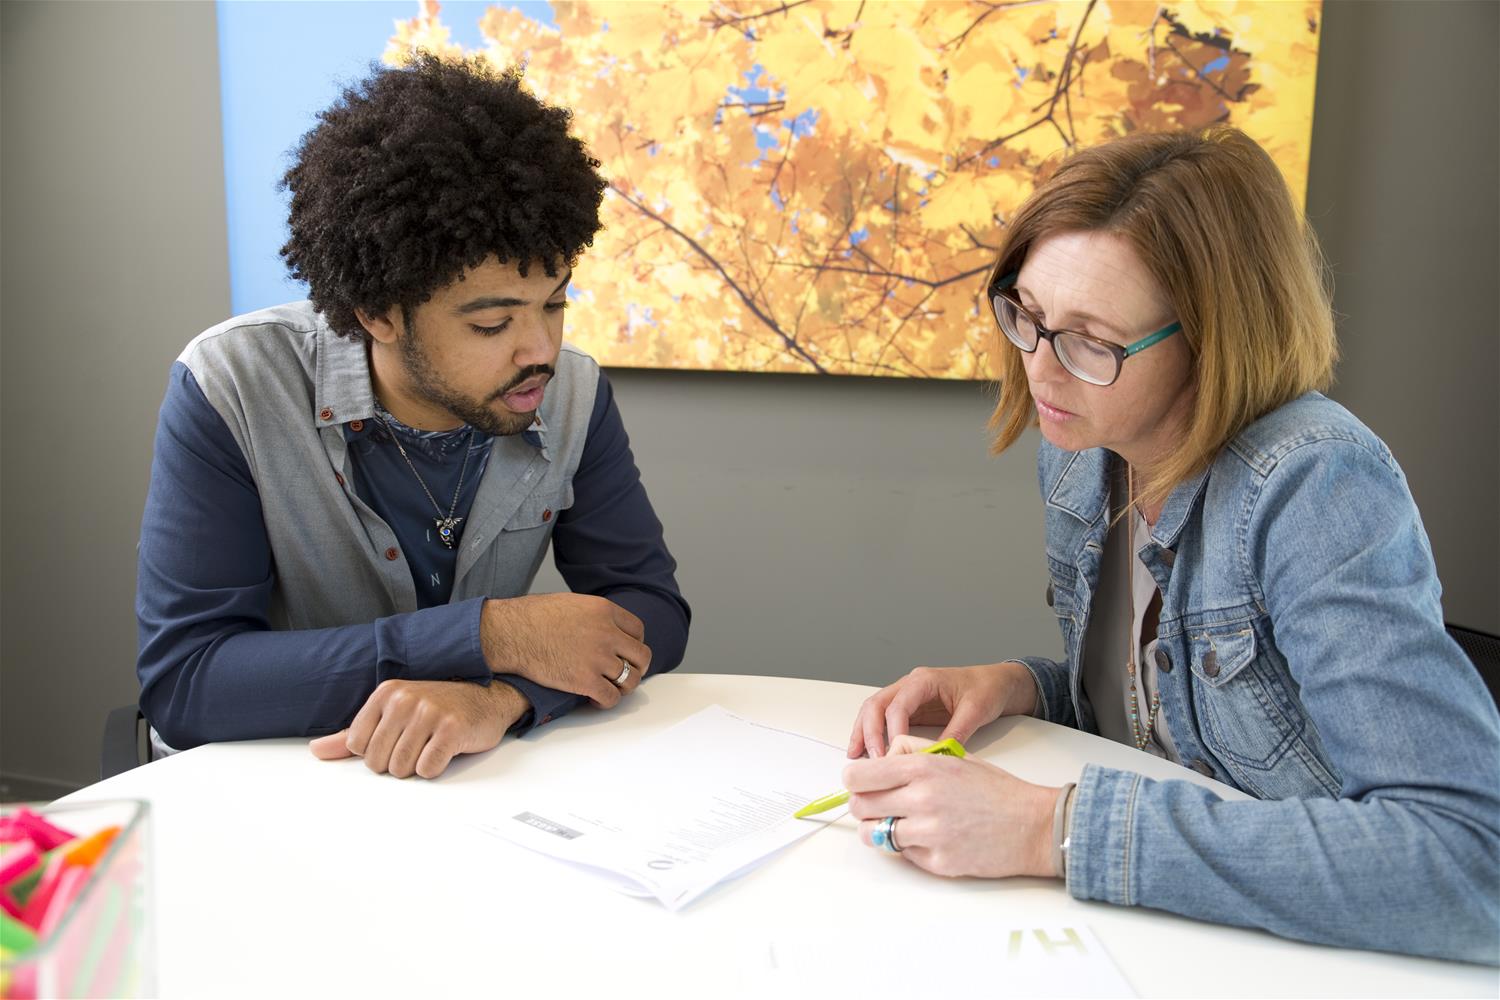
x: 43, y: 834
x: 36, y: 903
x: 17, y: 861
x: 11, y: 831
x: 69, y: 884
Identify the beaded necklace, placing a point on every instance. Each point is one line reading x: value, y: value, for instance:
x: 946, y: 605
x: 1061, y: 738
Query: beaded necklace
x: 1139, y: 735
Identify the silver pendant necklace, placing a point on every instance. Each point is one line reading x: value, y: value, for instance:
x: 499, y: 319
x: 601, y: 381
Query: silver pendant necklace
x: 446, y: 526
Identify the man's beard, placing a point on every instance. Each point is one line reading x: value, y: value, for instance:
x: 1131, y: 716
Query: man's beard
x: 425, y: 382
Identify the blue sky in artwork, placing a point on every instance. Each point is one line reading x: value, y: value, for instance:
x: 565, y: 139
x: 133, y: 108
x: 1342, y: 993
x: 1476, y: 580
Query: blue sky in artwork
x: 280, y: 63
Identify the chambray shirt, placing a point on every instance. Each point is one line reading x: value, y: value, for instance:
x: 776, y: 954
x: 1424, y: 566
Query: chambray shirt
x: 1302, y: 658
x: 287, y: 564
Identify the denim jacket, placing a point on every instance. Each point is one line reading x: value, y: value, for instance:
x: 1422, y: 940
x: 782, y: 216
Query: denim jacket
x: 1303, y: 660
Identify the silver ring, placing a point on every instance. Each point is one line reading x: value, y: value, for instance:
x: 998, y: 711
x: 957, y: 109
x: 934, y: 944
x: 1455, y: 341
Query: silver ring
x: 624, y: 672
x: 884, y: 835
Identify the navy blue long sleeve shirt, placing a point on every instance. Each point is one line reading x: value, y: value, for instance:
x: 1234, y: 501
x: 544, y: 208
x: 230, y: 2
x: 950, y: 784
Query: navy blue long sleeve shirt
x: 212, y: 668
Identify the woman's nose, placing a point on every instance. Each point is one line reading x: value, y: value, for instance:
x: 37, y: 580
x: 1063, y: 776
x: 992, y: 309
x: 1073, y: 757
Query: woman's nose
x: 1042, y: 365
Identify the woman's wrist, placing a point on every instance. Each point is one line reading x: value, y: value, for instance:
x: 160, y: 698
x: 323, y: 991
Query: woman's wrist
x: 1019, y: 687
x: 1062, y: 810
x: 1038, y: 861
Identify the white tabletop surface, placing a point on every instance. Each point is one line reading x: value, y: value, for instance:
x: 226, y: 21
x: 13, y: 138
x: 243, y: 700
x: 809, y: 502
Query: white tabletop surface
x: 278, y: 874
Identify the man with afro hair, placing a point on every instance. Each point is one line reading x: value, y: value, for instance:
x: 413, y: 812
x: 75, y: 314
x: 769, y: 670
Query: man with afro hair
x: 351, y: 495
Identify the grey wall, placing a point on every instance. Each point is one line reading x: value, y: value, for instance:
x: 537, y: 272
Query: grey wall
x: 112, y: 252
x: 838, y: 528
x: 1405, y: 193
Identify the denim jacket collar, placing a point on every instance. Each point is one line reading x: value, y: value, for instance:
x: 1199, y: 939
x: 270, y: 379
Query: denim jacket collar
x: 1175, y: 512
x: 1082, y: 490
x: 1082, y: 487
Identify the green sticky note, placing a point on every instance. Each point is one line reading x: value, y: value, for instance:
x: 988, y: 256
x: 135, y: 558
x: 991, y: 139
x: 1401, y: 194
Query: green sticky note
x: 15, y: 936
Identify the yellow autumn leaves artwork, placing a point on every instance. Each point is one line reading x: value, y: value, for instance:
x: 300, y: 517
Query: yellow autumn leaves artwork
x: 818, y: 186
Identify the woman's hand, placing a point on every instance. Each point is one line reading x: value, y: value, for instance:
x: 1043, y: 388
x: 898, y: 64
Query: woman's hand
x: 959, y: 698
x: 956, y: 816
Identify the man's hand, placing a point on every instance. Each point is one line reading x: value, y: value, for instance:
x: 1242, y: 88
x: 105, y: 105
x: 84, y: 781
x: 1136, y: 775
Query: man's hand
x: 417, y: 727
x: 567, y: 642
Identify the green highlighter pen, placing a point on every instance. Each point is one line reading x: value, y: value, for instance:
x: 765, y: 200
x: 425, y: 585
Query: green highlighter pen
x: 948, y: 748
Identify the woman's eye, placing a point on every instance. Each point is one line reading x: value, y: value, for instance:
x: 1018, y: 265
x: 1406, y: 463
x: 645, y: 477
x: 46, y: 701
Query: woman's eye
x: 556, y: 306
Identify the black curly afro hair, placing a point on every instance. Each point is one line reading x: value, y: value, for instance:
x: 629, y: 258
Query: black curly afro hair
x: 417, y: 174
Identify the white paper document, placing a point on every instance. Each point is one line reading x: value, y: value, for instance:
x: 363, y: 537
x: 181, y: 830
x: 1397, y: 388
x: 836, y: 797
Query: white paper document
x: 916, y: 957
x: 676, y: 814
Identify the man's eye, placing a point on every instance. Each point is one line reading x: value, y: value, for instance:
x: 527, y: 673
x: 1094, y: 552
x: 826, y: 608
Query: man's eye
x: 556, y: 306
x: 489, y: 331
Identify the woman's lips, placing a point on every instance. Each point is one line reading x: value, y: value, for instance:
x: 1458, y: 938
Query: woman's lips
x: 1049, y: 412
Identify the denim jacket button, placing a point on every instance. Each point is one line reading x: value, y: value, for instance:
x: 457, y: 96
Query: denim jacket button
x: 1049, y: 595
x: 1202, y: 767
x: 1211, y: 663
x: 1163, y: 661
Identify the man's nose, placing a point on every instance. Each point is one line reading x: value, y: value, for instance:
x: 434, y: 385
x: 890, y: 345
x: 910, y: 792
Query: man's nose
x: 534, y: 345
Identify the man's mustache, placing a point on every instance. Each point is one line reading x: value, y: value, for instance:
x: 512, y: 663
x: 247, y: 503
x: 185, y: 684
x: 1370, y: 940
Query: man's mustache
x: 530, y: 371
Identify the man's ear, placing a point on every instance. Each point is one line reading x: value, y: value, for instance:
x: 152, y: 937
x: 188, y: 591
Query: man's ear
x: 383, y: 327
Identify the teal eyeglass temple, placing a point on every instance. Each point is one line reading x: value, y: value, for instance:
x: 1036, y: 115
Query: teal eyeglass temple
x: 1140, y: 345
x: 1145, y: 342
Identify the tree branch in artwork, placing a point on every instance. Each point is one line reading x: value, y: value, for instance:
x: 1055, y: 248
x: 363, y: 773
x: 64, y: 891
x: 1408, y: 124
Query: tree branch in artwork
x: 748, y: 300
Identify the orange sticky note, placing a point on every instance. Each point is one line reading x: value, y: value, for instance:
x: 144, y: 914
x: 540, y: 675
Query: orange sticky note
x: 88, y: 850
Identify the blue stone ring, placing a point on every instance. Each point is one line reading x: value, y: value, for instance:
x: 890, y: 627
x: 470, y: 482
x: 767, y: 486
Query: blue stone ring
x: 884, y: 835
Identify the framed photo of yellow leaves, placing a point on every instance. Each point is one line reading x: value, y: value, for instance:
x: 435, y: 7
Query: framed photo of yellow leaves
x: 817, y: 186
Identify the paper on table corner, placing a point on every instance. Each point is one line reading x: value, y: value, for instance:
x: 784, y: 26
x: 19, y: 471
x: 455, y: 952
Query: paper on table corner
x: 710, y: 799
x: 936, y: 958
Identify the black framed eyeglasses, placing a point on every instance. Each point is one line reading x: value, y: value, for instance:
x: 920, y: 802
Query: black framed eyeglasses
x: 1087, y: 358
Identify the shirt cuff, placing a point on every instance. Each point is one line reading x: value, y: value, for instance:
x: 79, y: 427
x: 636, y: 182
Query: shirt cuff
x: 547, y: 704
x: 440, y: 643
x: 1053, y: 697
x: 1099, y: 835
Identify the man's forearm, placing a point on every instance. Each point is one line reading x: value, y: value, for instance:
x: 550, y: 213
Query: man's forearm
x: 509, y: 704
x: 201, y: 686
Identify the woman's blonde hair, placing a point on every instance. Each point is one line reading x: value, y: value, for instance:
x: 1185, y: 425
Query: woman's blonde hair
x: 1211, y: 218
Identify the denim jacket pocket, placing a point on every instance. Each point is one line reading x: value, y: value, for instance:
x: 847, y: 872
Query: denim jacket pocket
x: 1062, y: 597
x: 540, y: 510
x: 1241, y: 719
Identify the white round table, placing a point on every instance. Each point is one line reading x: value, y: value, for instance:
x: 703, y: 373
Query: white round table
x: 279, y: 874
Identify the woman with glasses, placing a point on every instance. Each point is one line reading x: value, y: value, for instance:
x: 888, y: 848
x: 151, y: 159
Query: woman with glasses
x: 1241, y: 578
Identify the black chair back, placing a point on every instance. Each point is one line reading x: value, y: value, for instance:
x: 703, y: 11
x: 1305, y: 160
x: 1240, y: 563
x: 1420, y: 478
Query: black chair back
x: 1483, y: 650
